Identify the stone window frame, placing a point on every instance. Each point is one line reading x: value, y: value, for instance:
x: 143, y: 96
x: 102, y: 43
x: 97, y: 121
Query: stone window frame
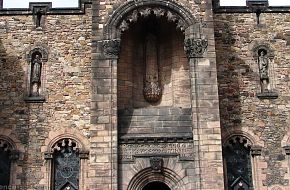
x: 44, y: 58
x: 285, y: 144
x: 83, y: 155
x: 14, y: 156
x: 255, y: 152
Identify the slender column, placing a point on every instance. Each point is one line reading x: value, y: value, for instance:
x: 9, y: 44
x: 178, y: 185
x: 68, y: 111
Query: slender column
x: 104, y: 116
x: 206, y: 121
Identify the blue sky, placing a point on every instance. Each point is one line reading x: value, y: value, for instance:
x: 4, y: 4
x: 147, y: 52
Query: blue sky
x: 74, y: 3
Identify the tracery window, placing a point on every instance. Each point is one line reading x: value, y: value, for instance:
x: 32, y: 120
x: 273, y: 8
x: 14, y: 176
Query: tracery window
x: 238, y: 167
x: 7, y: 156
x: 66, y: 165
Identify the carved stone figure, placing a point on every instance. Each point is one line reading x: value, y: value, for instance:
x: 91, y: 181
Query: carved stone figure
x: 36, y: 75
x: 39, y: 14
x: 151, y: 90
x: 264, y: 73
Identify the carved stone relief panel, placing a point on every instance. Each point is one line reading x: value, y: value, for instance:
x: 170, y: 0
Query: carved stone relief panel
x: 183, y: 150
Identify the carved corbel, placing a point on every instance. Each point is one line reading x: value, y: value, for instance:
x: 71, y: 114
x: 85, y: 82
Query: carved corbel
x: 84, y: 154
x: 195, y: 48
x: 156, y: 164
x: 256, y: 151
x: 111, y: 48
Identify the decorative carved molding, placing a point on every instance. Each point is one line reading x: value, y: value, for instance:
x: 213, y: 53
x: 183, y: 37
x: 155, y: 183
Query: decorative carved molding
x: 111, y: 48
x: 158, y: 12
x: 152, y: 90
x: 156, y: 164
x: 141, y: 140
x: 38, y: 49
x: 258, y: 46
x: 63, y: 143
x: 195, y: 48
x: 129, y: 151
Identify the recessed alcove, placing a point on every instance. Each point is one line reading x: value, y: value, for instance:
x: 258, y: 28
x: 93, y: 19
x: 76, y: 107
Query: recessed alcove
x: 152, y: 53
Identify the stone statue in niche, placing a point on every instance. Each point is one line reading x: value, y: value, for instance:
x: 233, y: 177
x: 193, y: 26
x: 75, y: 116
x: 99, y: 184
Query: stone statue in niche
x: 151, y: 90
x: 35, y: 75
x: 38, y: 16
x: 263, y: 61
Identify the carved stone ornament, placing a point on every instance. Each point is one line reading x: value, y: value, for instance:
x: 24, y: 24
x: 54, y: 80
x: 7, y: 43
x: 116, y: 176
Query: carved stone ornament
x: 151, y: 91
x: 111, y: 48
x: 184, y: 151
x: 195, y: 47
x: 156, y: 163
x: 157, y: 11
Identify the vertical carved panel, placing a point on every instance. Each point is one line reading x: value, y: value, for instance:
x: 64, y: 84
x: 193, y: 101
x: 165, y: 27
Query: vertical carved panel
x: 152, y: 90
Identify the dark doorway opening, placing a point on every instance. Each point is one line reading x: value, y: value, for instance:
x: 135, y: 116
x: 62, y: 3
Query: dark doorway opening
x: 156, y: 186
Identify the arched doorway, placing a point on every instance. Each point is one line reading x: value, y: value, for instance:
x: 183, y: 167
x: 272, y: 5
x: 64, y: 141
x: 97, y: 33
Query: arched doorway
x: 156, y: 185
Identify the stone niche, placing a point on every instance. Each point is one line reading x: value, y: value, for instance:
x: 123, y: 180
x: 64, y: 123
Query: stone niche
x: 152, y: 60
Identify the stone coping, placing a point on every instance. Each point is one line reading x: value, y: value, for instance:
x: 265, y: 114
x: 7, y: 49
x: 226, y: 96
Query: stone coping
x: 83, y: 4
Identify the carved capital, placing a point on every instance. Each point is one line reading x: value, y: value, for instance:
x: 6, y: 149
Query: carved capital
x: 287, y: 150
x: 195, y: 48
x: 48, y: 155
x: 111, y: 48
x: 256, y: 151
x: 156, y: 163
x: 84, y: 154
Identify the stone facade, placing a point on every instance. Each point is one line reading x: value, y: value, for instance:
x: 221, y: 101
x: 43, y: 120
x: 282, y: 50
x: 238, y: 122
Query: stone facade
x: 221, y: 75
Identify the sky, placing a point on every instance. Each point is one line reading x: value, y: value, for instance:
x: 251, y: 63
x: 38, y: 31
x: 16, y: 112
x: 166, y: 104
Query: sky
x: 25, y: 3
x: 74, y: 3
x: 243, y: 2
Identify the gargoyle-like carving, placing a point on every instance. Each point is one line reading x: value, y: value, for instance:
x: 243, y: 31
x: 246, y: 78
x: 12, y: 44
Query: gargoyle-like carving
x: 195, y: 47
x: 111, y: 48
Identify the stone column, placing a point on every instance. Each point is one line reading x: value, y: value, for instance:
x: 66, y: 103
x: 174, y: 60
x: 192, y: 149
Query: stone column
x: 104, y: 160
x: 205, y: 111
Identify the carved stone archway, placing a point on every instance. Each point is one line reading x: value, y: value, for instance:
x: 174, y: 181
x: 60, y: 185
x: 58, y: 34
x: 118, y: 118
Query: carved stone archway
x: 131, y: 10
x: 146, y: 176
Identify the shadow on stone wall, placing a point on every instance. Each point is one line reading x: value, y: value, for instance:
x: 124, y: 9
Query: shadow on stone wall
x: 14, y: 112
x: 233, y: 74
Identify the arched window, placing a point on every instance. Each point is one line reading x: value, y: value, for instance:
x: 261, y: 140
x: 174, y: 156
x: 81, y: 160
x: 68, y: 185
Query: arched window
x: 66, y: 165
x: 237, y: 163
x: 7, y: 155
